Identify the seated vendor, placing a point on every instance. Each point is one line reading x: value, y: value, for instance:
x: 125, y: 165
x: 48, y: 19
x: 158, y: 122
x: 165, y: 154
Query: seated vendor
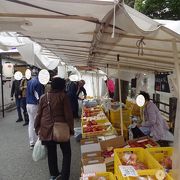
x: 153, y: 124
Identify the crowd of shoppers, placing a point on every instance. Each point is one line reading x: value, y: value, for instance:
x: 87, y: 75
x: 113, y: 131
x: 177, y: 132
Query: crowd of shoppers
x: 31, y: 97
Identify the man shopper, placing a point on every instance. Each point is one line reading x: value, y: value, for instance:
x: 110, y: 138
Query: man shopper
x: 15, y: 91
x: 34, y: 91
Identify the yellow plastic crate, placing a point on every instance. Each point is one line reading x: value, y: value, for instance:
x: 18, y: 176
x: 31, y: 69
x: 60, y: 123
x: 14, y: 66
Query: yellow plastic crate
x: 125, y: 131
x: 145, y: 173
x: 99, y: 122
x: 159, y: 153
x: 107, y: 175
x: 142, y: 155
x: 114, y: 116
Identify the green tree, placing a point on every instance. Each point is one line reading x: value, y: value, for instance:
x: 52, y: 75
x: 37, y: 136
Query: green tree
x: 130, y: 3
x: 159, y: 9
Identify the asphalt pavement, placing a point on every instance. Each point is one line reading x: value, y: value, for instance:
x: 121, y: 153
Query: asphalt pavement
x: 16, y: 158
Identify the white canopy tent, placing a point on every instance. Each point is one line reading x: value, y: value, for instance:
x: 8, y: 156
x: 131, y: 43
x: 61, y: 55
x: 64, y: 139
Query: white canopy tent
x: 80, y: 33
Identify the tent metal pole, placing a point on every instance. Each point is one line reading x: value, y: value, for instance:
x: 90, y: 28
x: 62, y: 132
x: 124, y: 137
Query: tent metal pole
x: 176, y: 63
x: 97, y: 76
x: 176, y: 164
x: 107, y: 72
x: 2, y: 90
x: 120, y: 100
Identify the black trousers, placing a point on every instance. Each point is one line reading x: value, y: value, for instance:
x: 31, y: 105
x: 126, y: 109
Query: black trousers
x: 52, y: 159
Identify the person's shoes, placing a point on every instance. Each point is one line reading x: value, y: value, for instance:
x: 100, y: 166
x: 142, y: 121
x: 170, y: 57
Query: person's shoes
x: 55, y: 177
x: 52, y: 178
x: 31, y: 146
x: 58, y: 177
x: 19, y: 120
x: 25, y: 124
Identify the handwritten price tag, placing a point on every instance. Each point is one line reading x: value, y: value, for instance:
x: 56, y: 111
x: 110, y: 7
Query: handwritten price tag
x: 128, y: 171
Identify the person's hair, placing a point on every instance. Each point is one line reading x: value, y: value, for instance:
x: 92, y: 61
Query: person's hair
x: 58, y: 83
x: 146, y: 95
x: 83, y: 81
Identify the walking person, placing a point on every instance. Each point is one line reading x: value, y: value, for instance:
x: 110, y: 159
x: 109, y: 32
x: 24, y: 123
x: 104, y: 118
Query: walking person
x: 34, y: 91
x: 23, y: 88
x: 55, y: 106
x: 15, y: 91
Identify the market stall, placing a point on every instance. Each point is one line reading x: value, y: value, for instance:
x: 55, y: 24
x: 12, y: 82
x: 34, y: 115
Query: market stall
x: 116, y: 37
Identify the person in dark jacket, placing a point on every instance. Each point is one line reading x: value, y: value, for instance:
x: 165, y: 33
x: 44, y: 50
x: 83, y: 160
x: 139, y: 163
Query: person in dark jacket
x: 15, y: 91
x: 73, y: 90
x: 60, y: 108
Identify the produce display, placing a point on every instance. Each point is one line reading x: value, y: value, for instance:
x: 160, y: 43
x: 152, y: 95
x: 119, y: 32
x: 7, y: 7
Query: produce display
x: 131, y: 159
x: 167, y: 163
x: 159, y: 175
x: 147, y: 160
x: 98, y: 178
x: 109, y: 152
x: 93, y: 128
x: 99, y: 116
x: 144, y: 143
x: 88, y: 112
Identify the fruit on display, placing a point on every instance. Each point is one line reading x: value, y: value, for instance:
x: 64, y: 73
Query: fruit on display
x: 88, y: 112
x: 98, y: 178
x: 131, y: 159
x: 160, y: 175
x: 167, y: 163
x: 144, y: 143
x: 87, y: 129
x: 108, y: 152
x: 91, y: 123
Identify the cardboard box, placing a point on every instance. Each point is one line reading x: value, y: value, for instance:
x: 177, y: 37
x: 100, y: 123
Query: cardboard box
x: 89, y: 141
x: 90, y: 148
x: 116, y: 142
x: 91, y: 154
x: 144, y: 142
x: 92, y: 165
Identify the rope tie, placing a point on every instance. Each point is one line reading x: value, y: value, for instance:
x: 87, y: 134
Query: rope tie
x: 140, y: 45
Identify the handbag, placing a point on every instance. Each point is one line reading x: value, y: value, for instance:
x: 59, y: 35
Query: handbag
x: 61, y: 131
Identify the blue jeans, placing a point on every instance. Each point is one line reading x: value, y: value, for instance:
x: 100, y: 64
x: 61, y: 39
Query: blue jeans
x: 23, y: 106
x: 18, y: 106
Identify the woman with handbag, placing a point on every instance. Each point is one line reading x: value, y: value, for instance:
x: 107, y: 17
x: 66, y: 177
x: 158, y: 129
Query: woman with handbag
x: 54, y: 124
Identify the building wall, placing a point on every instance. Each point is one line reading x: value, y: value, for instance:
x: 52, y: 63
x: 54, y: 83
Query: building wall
x: 7, y: 85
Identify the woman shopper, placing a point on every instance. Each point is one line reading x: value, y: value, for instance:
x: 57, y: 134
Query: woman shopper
x: 60, y: 112
x: 153, y: 124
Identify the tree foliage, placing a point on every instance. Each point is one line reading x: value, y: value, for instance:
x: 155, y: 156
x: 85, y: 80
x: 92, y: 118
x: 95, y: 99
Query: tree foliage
x: 159, y: 9
x: 130, y: 3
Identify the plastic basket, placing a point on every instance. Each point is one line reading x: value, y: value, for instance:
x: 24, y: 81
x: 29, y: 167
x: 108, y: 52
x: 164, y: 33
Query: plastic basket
x: 107, y: 175
x: 114, y: 116
x: 159, y: 153
x: 145, y: 173
x: 142, y: 155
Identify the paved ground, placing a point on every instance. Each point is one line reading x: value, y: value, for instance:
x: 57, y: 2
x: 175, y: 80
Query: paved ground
x: 16, y: 158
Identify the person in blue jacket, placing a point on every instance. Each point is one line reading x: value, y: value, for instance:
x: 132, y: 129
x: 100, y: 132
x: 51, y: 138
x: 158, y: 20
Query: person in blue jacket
x: 34, y: 91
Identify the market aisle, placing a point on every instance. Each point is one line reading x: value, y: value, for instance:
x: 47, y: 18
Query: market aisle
x: 16, y: 158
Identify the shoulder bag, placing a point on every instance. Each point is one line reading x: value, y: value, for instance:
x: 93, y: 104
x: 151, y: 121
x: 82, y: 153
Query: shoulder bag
x: 61, y: 131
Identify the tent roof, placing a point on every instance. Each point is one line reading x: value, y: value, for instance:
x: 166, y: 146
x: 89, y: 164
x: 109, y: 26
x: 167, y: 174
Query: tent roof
x: 79, y: 32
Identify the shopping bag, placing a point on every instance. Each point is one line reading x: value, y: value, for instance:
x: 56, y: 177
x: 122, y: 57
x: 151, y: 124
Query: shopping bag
x: 39, y: 151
